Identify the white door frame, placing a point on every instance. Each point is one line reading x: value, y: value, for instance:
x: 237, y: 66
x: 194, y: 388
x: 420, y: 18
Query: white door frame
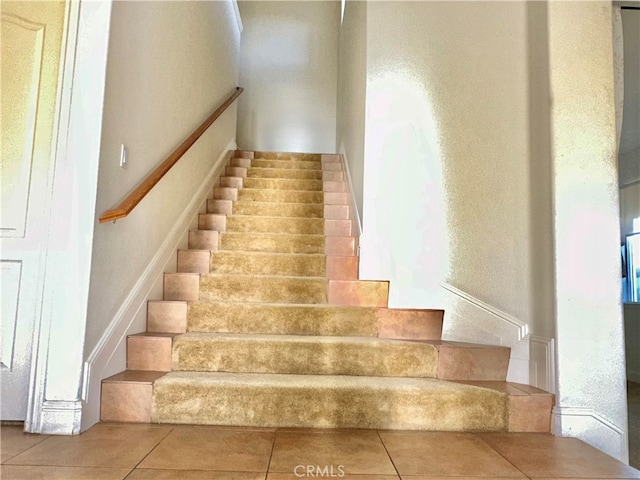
x: 55, y: 385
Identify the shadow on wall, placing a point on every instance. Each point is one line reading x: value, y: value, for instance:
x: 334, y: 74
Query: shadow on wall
x: 540, y: 217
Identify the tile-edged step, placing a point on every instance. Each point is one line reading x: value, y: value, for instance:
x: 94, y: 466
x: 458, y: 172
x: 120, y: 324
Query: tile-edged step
x: 469, y: 361
x: 263, y: 288
x: 303, y: 354
x: 126, y: 396
x: 273, y: 209
x: 363, y: 293
x: 283, y: 184
x: 258, y: 263
x: 327, y: 401
x: 287, y: 196
x: 167, y: 316
x: 273, y: 242
x: 261, y: 224
x: 306, y: 174
x: 282, y: 319
x: 149, y: 351
x: 292, y: 164
x: 240, y: 162
x: 204, y: 239
x: 529, y: 407
x: 244, y: 154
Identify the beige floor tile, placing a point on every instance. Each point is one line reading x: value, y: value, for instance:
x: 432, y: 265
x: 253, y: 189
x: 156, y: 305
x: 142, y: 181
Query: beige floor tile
x: 346, y: 476
x: 358, y: 452
x: 445, y: 454
x: 104, y: 445
x: 153, y: 474
x: 212, y: 448
x: 13, y: 441
x: 545, y: 455
x: 429, y: 477
x: 27, y: 472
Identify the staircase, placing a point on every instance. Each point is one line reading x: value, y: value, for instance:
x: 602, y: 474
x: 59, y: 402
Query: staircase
x: 265, y: 323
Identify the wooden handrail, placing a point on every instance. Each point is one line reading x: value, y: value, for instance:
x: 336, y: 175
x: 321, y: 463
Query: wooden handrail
x: 144, y: 187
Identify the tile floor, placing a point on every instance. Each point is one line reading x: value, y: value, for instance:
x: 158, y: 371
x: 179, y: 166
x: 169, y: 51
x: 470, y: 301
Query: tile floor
x: 167, y: 452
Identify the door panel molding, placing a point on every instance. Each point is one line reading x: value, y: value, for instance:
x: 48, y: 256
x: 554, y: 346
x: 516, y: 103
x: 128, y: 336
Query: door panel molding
x: 20, y: 93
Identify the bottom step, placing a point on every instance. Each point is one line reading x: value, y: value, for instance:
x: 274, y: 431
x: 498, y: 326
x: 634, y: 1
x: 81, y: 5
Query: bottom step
x: 327, y: 401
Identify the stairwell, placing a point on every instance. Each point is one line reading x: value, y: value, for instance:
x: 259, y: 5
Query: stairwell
x: 266, y: 324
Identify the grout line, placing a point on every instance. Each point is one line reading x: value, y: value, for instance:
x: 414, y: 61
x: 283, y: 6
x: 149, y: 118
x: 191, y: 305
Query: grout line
x: 389, y: 455
x: 171, y: 429
x: 273, y: 446
x: 45, y: 435
x: 509, y: 461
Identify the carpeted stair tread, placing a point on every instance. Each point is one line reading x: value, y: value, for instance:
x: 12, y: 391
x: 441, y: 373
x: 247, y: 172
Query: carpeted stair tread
x: 304, y: 354
x: 289, y: 164
x: 295, y: 156
x: 263, y: 288
x: 290, y: 173
x: 272, y: 242
x: 260, y: 263
x: 265, y: 224
x: 281, y: 319
x: 281, y: 209
x: 283, y: 184
x: 288, y: 196
x: 327, y: 401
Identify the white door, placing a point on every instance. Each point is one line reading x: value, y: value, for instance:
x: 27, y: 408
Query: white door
x: 31, y: 36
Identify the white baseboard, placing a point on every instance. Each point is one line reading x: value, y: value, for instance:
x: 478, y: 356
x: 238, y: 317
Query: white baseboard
x: 352, y: 199
x: 469, y: 319
x: 532, y: 363
x: 542, y: 363
x: 236, y: 11
x: 61, y: 417
x: 589, y: 426
x: 109, y: 355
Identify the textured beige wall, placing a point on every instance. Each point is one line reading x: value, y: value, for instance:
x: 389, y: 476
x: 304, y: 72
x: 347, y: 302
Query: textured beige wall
x: 289, y: 62
x: 590, y: 396
x: 454, y: 158
x: 352, y: 78
x: 170, y: 64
